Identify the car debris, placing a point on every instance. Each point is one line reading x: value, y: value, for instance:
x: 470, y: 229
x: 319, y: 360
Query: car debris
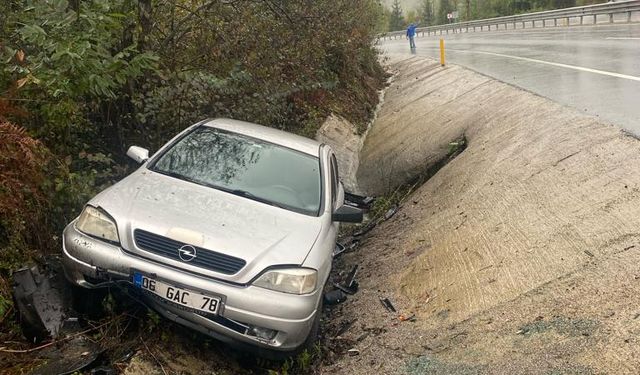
x: 350, y: 285
x: 339, y: 249
x: 387, y: 304
x: 334, y: 297
x: 358, y: 200
x: 76, y: 355
x: 353, y: 352
x: 345, y: 246
x: 39, y: 304
x: 390, y: 212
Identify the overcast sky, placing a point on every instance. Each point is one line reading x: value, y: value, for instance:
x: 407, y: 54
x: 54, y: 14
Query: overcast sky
x: 406, y: 5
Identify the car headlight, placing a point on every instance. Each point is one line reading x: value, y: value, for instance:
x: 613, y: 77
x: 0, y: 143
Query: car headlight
x: 290, y: 280
x: 97, y: 223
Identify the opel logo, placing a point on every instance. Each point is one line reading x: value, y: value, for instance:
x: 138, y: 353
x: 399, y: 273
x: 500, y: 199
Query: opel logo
x: 187, y: 253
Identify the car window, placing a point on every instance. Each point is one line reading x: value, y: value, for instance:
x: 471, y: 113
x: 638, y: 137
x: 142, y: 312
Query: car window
x: 334, y: 179
x: 247, y: 167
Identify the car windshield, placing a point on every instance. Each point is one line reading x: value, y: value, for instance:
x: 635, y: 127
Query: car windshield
x: 247, y: 167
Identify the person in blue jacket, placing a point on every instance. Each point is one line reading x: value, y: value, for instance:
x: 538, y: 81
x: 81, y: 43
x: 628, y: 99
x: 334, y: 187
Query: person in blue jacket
x: 411, y: 34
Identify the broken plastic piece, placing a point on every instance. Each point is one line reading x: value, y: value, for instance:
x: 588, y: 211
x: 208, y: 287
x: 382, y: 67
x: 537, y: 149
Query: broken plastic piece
x: 339, y: 249
x: 387, y: 304
x: 71, y: 358
x: 358, y: 200
x: 350, y: 285
x: 351, y: 277
x: 39, y: 305
x: 351, y: 290
x: 353, y: 352
x: 389, y: 214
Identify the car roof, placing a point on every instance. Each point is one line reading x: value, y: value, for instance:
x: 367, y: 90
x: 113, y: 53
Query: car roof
x: 279, y: 137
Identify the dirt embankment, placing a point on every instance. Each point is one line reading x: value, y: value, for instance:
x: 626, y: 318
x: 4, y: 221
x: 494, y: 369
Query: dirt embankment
x: 522, y: 255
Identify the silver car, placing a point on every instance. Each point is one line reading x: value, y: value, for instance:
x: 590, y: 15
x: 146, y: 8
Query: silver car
x: 228, y: 229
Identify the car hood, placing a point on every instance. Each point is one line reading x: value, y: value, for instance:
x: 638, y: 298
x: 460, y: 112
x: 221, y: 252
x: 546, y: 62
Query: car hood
x: 260, y: 234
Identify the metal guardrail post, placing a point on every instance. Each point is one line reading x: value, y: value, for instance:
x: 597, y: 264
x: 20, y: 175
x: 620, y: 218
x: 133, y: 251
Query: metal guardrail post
x: 595, y: 19
x: 610, y: 17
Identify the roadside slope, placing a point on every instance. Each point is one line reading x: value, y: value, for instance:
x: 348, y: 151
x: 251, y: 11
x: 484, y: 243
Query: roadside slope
x: 519, y: 256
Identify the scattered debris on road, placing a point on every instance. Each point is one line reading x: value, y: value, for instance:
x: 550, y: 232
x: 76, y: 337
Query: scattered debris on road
x: 350, y: 285
x: 334, y: 297
x: 387, y: 304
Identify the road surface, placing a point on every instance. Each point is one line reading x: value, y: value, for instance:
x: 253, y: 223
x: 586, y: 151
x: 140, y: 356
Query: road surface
x: 595, y: 69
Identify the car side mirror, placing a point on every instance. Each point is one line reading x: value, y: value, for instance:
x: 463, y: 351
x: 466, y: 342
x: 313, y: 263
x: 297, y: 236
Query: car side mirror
x: 139, y: 154
x: 347, y: 214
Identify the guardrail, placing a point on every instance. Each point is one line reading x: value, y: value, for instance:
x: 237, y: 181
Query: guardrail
x: 543, y: 18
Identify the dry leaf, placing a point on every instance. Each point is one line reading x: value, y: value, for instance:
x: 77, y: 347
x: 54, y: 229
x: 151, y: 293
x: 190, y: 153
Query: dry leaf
x: 20, y: 56
x: 22, y: 81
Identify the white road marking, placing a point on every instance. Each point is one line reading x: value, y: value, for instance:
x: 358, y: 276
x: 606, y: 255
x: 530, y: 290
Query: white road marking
x: 574, y: 67
x: 622, y: 38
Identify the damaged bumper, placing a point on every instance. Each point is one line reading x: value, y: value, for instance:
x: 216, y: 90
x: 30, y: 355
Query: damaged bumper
x: 248, y: 314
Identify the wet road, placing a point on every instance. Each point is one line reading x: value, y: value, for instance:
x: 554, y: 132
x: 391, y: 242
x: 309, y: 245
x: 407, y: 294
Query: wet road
x: 595, y: 69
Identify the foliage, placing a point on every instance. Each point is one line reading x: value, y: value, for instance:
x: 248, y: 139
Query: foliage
x: 481, y: 9
x: 85, y: 79
x: 65, y: 63
x: 23, y: 171
x: 396, y: 18
x: 319, y: 59
x: 427, y: 16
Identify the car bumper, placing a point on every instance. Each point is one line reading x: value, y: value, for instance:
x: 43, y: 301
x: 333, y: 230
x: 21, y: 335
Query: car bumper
x: 89, y: 262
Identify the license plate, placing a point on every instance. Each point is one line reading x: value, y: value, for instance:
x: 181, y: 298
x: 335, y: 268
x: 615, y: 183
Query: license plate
x: 179, y: 296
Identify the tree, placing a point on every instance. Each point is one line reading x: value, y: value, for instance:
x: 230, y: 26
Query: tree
x: 445, y: 7
x: 426, y: 13
x: 396, y: 19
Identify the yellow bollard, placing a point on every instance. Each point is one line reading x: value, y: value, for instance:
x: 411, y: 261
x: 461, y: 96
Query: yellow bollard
x: 442, y: 52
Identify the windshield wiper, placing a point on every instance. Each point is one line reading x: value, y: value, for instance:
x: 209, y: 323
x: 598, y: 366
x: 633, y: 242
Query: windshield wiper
x: 246, y: 194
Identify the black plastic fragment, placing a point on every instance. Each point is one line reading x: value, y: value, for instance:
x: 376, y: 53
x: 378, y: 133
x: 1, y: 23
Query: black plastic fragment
x: 387, y: 304
x: 40, y: 306
x: 358, y: 200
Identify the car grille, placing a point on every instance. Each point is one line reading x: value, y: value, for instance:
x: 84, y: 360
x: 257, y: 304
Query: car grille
x: 206, y: 259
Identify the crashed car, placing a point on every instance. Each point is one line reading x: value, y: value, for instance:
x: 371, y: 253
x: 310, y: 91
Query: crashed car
x: 228, y: 229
